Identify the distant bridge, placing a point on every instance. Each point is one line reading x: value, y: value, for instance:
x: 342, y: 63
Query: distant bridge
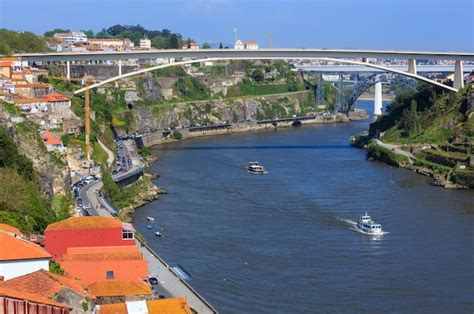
x: 333, y: 55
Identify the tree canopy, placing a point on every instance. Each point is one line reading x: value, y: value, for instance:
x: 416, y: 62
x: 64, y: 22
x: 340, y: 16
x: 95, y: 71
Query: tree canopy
x: 15, y: 42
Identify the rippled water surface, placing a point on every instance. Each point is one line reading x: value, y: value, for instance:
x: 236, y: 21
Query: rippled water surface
x: 283, y: 242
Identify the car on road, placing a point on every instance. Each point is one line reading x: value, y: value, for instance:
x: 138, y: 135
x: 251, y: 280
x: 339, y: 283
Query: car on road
x: 85, y: 212
x: 153, y: 281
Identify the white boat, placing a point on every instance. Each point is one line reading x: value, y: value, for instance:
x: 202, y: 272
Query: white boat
x: 255, y: 168
x: 149, y: 218
x: 367, y: 225
x: 158, y: 234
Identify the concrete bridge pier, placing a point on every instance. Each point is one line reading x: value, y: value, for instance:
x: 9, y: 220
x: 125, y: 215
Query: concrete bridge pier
x: 458, y: 75
x: 378, y: 99
x: 68, y: 70
x: 120, y: 67
x: 412, y: 66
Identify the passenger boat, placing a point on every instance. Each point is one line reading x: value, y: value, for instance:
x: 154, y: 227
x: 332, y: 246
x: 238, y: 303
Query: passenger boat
x: 255, y: 168
x: 367, y: 225
x: 151, y: 219
x: 158, y: 234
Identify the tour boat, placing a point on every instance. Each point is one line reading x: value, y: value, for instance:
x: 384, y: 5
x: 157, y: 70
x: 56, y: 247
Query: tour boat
x: 255, y: 168
x: 367, y: 225
x: 149, y: 218
x: 158, y: 234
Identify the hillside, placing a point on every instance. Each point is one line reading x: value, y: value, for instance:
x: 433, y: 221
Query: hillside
x: 15, y: 42
x: 435, y: 127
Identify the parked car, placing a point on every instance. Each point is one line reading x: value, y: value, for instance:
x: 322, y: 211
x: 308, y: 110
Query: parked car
x: 153, y: 281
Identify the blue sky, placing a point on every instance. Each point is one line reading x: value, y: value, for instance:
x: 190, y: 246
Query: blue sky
x: 373, y: 24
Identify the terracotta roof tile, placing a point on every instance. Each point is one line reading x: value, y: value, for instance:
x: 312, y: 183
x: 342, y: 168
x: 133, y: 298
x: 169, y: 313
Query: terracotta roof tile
x: 169, y: 306
x: 117, y: 308
x: 122, y: 256
x: 5, y: 64
x: 55, y: 97
x: 12, y: 248
x: 45, y: 284
x: 51, y: 139
x: 85, y: 222
x: 112, y: 288
x: 102, y: 249
x: 28, y: 296
x: 9, y: 229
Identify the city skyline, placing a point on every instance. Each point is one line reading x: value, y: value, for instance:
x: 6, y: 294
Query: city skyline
x: 424, y: 25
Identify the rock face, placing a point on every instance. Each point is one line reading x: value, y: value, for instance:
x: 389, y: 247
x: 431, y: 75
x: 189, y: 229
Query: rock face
x: 218, y: 111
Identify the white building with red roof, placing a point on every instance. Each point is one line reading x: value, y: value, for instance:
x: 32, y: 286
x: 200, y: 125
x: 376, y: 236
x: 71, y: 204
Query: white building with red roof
x: 19, y: 257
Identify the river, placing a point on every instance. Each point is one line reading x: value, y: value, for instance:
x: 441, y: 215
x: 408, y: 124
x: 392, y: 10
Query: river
x: 283, y: 242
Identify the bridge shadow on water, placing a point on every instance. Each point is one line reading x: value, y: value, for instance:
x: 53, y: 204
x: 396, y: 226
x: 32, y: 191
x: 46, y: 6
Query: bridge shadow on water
x: 260, y: 147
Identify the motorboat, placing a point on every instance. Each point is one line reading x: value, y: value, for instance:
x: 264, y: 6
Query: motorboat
x: 158, y: 234
x: 255, y: 168
x: 367, y: 225
x: 149, y: 226
x: 151, y: 219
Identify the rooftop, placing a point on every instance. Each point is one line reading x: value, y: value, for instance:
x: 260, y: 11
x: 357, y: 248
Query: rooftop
x: 45, y: 284
x: 26, y: 100
x: 11, y: 293
x: 85, y: 222
x: 54, y: 97
x: 113, y: 256
x: 112, y: 288
x: 164, y: 306
x: 12, y: 248
x: 9, y: 229
x: 51, y: 139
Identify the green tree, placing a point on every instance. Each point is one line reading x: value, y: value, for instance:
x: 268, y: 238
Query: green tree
x: 411, y: 120
x: 206, y: 46
x: 221, y: 46
x: 257, y: 75
x: 56, y: 30
x: 174, y: 42
x: 89, y: 33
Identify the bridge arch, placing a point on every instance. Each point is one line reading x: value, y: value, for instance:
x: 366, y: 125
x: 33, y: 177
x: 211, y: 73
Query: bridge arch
x: 366, y: 64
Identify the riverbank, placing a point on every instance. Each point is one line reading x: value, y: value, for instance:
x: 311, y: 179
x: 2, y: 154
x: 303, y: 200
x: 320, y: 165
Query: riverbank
x: 448, y: 170
x: 152, y: 139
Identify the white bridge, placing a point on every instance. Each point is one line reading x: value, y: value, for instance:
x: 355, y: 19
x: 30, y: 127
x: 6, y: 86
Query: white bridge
x: 331, y: 55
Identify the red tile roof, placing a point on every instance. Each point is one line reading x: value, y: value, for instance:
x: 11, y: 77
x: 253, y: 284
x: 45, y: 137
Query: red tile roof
x: 115, y: 288
x: 11, y: 293
x: 9, y: 229
x: 85, y: 222
x: 121, y: 256
x: 45, y: 284
x: 5, y: 64
x: 54, y: 97
x: 102, y: 249
x: 12, y: 248
x: 50, y: 139
x: 27, y: 100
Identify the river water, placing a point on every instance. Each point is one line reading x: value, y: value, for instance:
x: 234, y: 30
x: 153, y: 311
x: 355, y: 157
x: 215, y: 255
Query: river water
x: 284, y: 243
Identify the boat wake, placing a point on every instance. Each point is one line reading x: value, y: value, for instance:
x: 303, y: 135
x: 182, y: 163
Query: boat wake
x: 353, y: 226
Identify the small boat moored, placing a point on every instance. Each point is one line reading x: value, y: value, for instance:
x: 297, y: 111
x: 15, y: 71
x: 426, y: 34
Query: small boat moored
x: 151, y: 219
x: 368, y: 226
x: 158, y: 234
x: 149, y: 226
x: 255, y: 168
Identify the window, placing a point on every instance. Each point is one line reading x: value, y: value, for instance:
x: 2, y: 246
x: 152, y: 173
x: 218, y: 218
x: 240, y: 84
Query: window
x: 109, y: 274
x: 127, y: 234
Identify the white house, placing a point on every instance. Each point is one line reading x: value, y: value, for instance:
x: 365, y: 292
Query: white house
x: 20, y: 257
x: 239, y: 45
x: 250, y: 45
x: 145, y: 43
x: 71, y: 37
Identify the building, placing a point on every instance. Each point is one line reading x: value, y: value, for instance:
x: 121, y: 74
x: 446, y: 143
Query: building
x: 71, y: 37
x: 68, y: 291
x: 35, y: 90
x: 94, y: 264
x: 92, y: 231
x: 114, y: 291
x: 191, y: 44
x: 52, y: 141
x: 239, y: 45
x: 19, y: 257
x: 164, y: 306
x: 250, y: 45
x: 57, y: 103
x: 115, y: 43
x: 19, y: 302
x: 30, y: 105
x: 145, y: 43
x: 6, y: 69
